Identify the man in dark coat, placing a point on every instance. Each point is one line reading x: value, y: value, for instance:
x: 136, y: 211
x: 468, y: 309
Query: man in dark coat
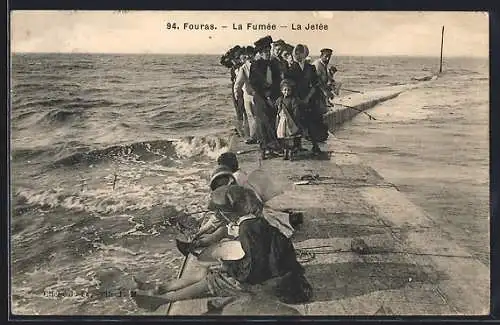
x: 265, y: 78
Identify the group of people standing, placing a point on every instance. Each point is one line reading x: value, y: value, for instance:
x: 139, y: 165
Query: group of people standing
x: 279, y: 96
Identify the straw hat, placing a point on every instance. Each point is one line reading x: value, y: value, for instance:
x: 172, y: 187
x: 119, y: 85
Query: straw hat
x: 263, y: 43
x: 236, y: 200
x: 220, y: 171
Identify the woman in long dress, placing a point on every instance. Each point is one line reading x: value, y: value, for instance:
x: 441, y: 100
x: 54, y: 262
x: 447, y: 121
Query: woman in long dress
x: 306, y: 79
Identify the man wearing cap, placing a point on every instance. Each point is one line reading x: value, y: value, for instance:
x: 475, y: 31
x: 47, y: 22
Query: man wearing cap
x: 324, y: 78
x: 265, y: 78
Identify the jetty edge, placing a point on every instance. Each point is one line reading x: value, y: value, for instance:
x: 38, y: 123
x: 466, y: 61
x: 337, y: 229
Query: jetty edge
x: 412, y: 267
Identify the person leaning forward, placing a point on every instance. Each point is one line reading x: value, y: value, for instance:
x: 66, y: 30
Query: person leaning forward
x: 324, y: 82
x: 267, y: 254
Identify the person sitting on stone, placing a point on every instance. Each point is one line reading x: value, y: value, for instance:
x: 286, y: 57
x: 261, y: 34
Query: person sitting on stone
x: 286, y: 221
x: 267, y: 254
x: 211, y: 230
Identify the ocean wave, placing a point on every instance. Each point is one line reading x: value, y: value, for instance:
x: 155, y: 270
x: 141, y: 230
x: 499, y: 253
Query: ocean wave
x: 76, y: 66
x: 33, y: 86
x: 186, y: 147
x: 148, y: 207
x: 79, y: 102
x: 197, y: 89
x: 23, y: 116
x: 40, y: 102
x: 60, y: 116
x: 29, y: 154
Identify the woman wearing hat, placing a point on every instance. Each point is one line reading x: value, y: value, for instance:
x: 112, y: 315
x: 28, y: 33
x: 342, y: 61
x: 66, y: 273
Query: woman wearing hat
x: 211, y: 231
x: 267, y: 254
x: 306, y: 81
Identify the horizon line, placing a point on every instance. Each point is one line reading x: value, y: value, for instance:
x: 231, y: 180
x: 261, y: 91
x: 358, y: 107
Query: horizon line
x: 215, y: 54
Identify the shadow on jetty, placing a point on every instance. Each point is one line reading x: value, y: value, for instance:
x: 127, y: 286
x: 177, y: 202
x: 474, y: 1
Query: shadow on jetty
x: 345, y: 280
x: 324, y: 225
x: 322, y: 229
x: 308, y: 155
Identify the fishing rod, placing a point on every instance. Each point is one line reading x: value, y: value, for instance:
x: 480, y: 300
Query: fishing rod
x: 179, y: 275
x: 197, y: 212
x: 357, y: 109
x: 353, y: 91
x: 184, y: 262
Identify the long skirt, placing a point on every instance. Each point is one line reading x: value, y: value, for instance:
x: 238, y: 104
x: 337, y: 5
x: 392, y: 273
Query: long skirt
x: 266, y: 131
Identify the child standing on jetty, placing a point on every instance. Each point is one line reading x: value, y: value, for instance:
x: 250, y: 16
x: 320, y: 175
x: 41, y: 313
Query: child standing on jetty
x: 287, y: 129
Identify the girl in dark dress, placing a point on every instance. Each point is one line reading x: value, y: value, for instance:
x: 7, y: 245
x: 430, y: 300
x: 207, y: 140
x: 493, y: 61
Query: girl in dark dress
x: 288, y: 129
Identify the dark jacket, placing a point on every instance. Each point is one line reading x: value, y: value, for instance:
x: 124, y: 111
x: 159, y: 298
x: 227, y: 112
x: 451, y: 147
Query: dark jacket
x: 258, y: 80
x: 268, y: 253
x: 304, y: 79
x: 283, y: 65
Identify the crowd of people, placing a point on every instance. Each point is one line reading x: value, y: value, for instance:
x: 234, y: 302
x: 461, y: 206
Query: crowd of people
x: 279, y: 95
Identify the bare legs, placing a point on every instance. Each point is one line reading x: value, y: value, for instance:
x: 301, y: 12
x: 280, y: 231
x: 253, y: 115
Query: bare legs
x: 175, y: 290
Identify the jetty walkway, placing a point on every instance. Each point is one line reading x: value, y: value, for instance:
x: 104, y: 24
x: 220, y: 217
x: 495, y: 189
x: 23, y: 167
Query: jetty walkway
x: 410, y: 268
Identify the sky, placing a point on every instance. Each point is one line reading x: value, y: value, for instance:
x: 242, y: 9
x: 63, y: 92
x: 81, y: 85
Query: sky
x: 363, y: 33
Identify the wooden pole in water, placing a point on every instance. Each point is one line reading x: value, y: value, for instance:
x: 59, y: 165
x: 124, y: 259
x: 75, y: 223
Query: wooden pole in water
x: 441, y: 60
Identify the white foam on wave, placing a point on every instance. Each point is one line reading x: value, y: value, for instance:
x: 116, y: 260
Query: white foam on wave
x: 135, y: 189
x: 211, y: 147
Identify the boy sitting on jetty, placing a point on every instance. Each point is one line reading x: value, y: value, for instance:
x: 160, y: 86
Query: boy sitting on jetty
x: 268, y: 254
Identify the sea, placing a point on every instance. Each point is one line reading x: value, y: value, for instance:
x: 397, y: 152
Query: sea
x: 109, y: 151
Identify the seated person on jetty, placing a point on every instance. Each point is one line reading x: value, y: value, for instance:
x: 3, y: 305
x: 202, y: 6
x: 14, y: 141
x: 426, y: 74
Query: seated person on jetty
x: 267, y: 255
x: 228, y: 172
